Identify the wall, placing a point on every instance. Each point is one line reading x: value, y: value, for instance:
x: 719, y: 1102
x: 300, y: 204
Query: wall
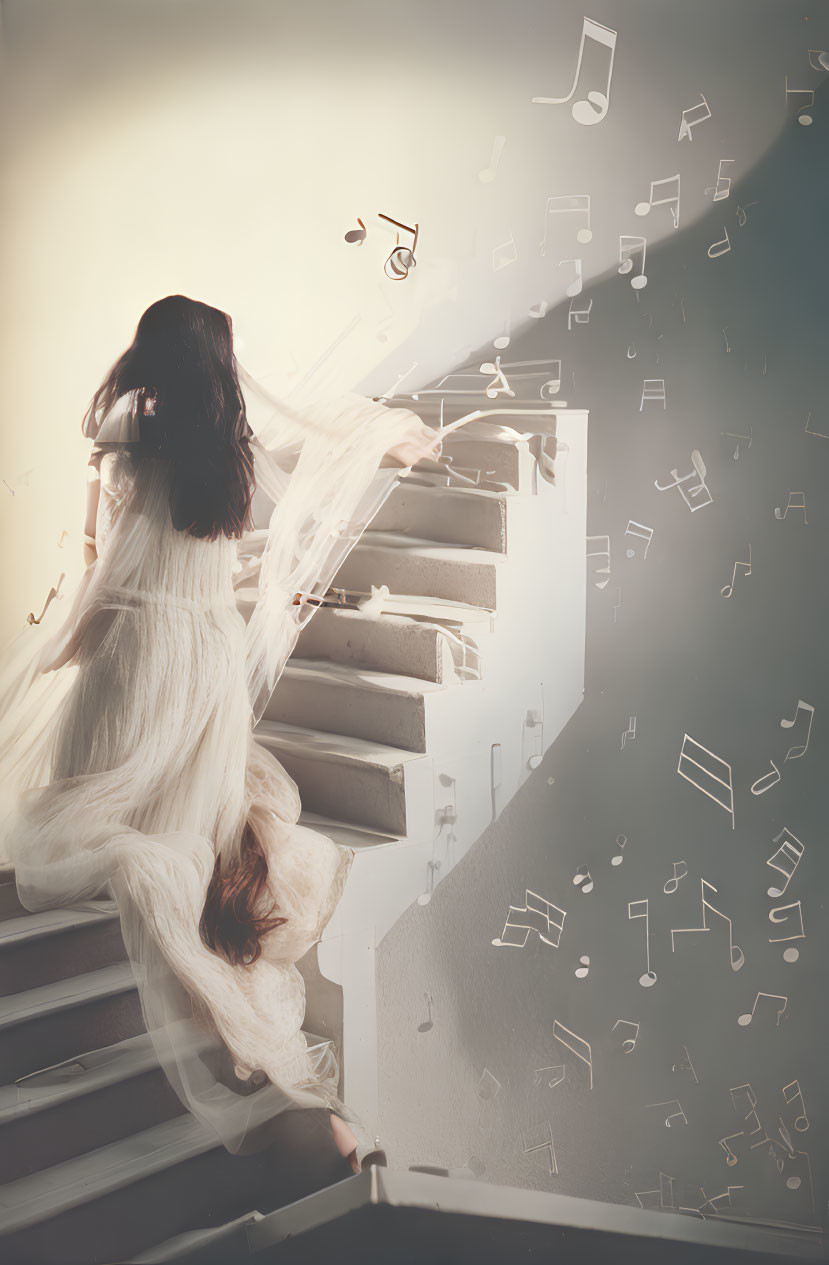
x: 223, y: 151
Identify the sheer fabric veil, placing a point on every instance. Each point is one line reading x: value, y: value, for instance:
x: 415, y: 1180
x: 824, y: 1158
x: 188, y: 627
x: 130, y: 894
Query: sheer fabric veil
x: 88, y: 748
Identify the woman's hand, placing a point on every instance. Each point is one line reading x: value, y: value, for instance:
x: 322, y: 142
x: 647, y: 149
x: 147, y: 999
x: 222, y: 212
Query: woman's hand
x: 420, y: 442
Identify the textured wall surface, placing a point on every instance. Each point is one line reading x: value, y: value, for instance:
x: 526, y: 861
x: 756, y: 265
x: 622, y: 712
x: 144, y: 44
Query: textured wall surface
x: 739, y: 339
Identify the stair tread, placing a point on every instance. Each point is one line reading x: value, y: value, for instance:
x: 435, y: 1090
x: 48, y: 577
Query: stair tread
x: 341, y: 747
x: 93, y: 1070
x: 30, y: 927
x: 335, y: 674
x: 348, y: 832
x: 183, y: 1244
x: 107, y: 981
x: 425, y: 548
x: 84, y: 1178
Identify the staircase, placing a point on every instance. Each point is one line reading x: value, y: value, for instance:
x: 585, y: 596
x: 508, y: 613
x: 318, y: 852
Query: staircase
x: 407, y: 730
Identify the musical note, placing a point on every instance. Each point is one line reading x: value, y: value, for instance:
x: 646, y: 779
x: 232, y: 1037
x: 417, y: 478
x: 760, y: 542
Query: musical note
x: 723, y: 186
x: 488, y: 1087
x: 621, y: 841
x: 427, y: 1024
x: 584, y: 967
x: 785, y: 860
x: 730, y: 1157
x: 701, y: 110
x: 631, y: 354
x: 535, y: 720
x: 402, y: 258
x: 539, y: 311
x: 629, y: 1043
x: 817, y: 433
x: 582, y: 874
x: 688, y: 494
x: 767, y: 781
x: 502, y: 340
x: 574, y: 287
x: 537, y: 905
x: 592, y: 107
x: 742, y: 217
x: 674, y: 1115
x: 53, y: 593
x: 580, y: 315
x: 714, y: 252
x: 499, y: 384
x: 713, y: 773
x: 727, y: 434
x: 628, y: 246
x: 639, y: 909
x: 728, y: 589
x: 745, y: 1020
x: 673, y: 883
x: 727, y: 344
x: 630, y: 733
x: 558, y: 1071
x: 781, y: 514
x: 790, y: 954
x: 735, y: 952
x: 535, y: 1143
x: 578, y: 1046
x: 790, y: 1098
x: 643, y: 208
x: 805, y: 119
x: 579, y: 203
x: 617, y: 604
x: 822, y: 58
x: 487, y: 174
x: 665, y: 1194
x: 602, y: 552
x: 425, y: 897
x: 685, y: 1065
x: 357, y: 235
x: 795, y: 753
x: 504, y: 254
x: 653, y: 389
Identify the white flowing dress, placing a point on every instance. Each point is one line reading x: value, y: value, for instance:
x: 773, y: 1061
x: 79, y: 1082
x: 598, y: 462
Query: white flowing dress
x: 129, y: 767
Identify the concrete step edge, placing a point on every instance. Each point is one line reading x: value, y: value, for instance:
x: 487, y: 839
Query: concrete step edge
x: 339, y: 748
x: 339, y: 675
x: 30, y: 927
x: 107, y: 981
x: 361, y: 837
x: 435, y: 550
x: 86, y: 1178
x: 182, y: 1245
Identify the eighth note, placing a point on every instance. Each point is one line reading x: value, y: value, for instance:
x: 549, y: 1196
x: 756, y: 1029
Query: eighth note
x: 591, y: 106
x: 728, y: 589
x: 673, y: 883
x: 794, y: 753
x: 582, y: 874
x: 745, y: 1020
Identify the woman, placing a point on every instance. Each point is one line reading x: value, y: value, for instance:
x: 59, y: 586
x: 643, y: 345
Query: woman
x: 127, y: 756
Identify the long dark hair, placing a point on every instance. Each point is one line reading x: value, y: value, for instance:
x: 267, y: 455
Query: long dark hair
x: 190, y: 410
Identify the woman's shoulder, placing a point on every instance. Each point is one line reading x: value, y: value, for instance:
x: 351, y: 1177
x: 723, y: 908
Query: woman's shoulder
x: 120, y: 423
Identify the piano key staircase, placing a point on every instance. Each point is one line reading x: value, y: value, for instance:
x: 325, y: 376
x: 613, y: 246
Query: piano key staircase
x: 408, y: 723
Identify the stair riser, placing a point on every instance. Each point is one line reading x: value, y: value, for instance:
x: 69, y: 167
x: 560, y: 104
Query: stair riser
x: 405, y: 572
x: 71, y: 1128
x: 479, y: 454
x: 206, y: 1190
x: 54, y: 1037
x: 463, y: 518
x: 366, y: 795
x: 410, y: 649
x: 393, y: 720
x: 57, y: 957
x: 10, y: 906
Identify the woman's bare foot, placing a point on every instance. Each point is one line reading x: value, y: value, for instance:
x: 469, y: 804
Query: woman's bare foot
x: 345, y: 1140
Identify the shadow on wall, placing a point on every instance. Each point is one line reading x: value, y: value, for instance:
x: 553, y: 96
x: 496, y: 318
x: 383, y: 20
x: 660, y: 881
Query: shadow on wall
x: 691, y: 1105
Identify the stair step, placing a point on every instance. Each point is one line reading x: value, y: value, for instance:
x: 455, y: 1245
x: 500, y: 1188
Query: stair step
x: 57, y: 1021
x: 37, y: 949
x: 353, y: 836
x: 387, y: 642
x: 426, y: 569
x: 501, y: 462
x: 10, y: 906
x: 468, y: 516
x: 377, y: 706
x: 122, y: 1199
x: 95, y: 1098
x: 219, y: 1245
x: 342, y: 777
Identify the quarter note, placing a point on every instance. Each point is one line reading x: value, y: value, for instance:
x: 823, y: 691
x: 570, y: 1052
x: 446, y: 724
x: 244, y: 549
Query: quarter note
x: 639, y: 909
x: 719, y: 248
x: 357, y: 235
x: 673, y: 883
x: 796, y: 1093
x: 592, y: 106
